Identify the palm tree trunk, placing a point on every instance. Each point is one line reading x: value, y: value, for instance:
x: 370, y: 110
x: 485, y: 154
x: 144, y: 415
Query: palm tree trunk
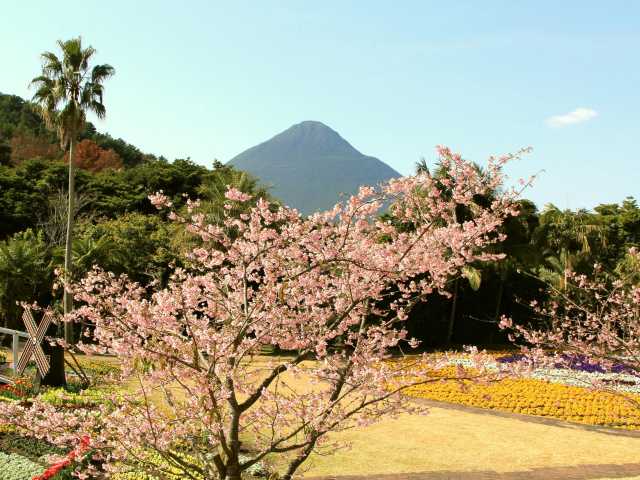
x: 56, y: 376
x: 499, y: 301
x: 452, y: 315
x: 68, y: 298
x: 496, y: 315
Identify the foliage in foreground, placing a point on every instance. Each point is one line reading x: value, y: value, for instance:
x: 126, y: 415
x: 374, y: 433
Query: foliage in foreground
x: 335, y: 289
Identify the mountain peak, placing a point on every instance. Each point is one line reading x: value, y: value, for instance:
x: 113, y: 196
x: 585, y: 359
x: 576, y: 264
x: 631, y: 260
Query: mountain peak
x: 312, y: 136
x: 311, y: 124
x: 309, y: 165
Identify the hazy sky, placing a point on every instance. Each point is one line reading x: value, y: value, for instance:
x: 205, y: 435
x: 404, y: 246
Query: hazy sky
x: 209, y: 79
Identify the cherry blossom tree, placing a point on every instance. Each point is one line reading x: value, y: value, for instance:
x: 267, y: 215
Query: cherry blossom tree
x: 333, y: 290
x: 592, y: 324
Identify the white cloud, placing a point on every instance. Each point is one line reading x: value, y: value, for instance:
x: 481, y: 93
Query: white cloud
x: 579, y: 115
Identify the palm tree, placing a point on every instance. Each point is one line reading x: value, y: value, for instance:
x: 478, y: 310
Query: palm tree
x: 422, y: 167
x: 567, y: 240
x: 460, y: 214
x: 214, y: 186
x: 65, y: 91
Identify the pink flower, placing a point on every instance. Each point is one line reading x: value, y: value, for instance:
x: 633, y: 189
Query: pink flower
x: 237, y: 195
x: 270, y: 277
x: 505, y: 322
x: 160, y: 200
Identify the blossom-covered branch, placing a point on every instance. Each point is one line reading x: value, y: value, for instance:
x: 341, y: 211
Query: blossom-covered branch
x: 333, y: 289
x: 593, y: 321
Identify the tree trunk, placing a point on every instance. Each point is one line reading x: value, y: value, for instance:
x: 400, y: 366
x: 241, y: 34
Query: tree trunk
x: 300, y: 459
x: 452, y: 315
x: 68, y: 297
x: 55, y: 377
x: 500, y: 294
x: 496, y: 316
x: 56, y: 374
x: 232, y: 470
x: 233, y: 473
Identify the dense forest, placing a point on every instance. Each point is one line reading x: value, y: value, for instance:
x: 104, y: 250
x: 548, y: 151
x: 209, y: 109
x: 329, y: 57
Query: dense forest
x: 118, y: 229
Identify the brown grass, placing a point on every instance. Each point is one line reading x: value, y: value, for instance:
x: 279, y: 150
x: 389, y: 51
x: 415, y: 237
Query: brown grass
x: 452, y: 440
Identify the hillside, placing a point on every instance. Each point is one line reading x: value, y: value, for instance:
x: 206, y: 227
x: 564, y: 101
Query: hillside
x: 23, y: 136
x: 309, y: 166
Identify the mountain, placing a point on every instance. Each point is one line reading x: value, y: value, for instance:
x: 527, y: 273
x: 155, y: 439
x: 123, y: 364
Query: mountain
x: 309, y: 165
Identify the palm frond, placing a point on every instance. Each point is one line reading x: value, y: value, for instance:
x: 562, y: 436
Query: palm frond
x: 51, y: 65
x: 67, y: 88
x: 98, y: 109
x: 422, y: 167
x: 101, y: 73
x: 86, y: 55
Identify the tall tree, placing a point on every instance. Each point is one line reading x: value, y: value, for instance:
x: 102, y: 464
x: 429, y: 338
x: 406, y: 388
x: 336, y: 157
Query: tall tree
x: 65, y: 91
x: 460, y: 213
x: 283, y: 280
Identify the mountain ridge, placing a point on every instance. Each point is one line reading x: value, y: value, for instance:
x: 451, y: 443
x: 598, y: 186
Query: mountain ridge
x: 309, y: 165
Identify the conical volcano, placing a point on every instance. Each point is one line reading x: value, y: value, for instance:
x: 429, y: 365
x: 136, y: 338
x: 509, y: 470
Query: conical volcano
x: 309, y: 166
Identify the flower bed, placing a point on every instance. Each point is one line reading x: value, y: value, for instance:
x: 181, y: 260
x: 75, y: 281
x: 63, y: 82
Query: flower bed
x: 581, y: 371
x: 615, y: 381
x: 65, y: 462
x: 578, y: 363
x: 17, y: 467
x: 21, y: 388
x: 29, y: 447
x: 533, y: 396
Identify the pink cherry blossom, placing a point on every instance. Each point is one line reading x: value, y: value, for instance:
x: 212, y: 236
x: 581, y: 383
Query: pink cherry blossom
x: 333, y: 289
x: 595, y: 319
x: 237, y: 195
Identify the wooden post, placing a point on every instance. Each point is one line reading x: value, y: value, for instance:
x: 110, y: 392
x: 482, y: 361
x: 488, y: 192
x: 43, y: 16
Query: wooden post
x: 15, y: 342
x: 34, y: 344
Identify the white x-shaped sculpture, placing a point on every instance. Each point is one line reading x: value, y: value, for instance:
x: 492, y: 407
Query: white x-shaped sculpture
x: 33, y: 346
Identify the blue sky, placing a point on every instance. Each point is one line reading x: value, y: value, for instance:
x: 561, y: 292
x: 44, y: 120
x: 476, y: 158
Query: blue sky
x: 208, y: 79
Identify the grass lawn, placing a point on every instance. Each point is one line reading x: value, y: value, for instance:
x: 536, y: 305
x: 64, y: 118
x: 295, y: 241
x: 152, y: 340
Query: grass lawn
x: 461, y: 441
x: 450, y: 440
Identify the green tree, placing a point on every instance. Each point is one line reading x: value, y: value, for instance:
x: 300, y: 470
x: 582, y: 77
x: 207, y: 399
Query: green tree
x: 140, y: 246
x: 214, y: 186
x: 65, y: 91
x: 26, y: 274
x: 520, y: 254
x: 460, y: 215
x: 5, y: 153
x: 569, y: 241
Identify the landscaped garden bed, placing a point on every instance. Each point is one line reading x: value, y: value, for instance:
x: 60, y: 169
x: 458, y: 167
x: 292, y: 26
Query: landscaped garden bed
x: 530, y: 396
x: 557, y: 393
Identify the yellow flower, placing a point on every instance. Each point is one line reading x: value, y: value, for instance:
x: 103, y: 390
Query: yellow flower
x: 535, y: 397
